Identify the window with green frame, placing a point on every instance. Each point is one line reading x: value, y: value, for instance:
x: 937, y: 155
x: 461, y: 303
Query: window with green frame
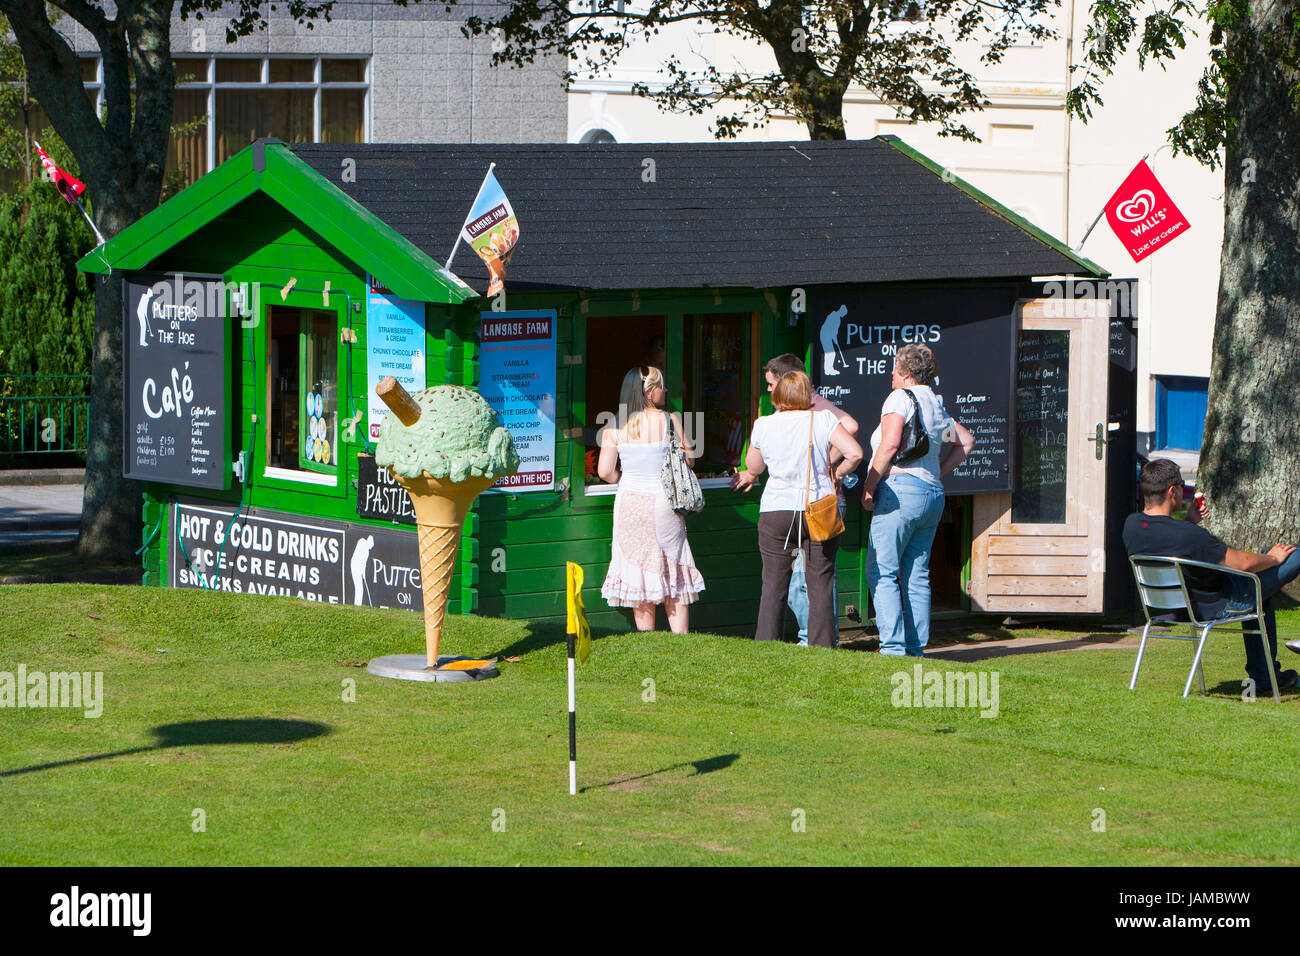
x: 303, y: 390
x: 717, y: 389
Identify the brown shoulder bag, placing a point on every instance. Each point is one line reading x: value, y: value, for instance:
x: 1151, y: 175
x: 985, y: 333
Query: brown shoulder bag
x: 823, y: 515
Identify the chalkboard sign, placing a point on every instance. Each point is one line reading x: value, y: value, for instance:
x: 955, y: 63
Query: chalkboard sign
x: 379, y: 495
x: 856, y: 332
x: 1042, y: 416
x: 175, y: 349
x: 291, y: 555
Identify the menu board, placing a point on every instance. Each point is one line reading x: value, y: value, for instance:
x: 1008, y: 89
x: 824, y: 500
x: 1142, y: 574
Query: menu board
x: 517, y: 378
x: 1042, y: 414
x: 176, y: 345
x: 972, y: 330
x: 394, y: 346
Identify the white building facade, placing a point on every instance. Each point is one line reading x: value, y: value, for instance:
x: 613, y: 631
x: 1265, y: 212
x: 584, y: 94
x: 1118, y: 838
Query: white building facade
x: 1054, y: 170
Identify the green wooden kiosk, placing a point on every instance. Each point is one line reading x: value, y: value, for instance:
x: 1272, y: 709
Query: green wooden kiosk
x: 283, y: 282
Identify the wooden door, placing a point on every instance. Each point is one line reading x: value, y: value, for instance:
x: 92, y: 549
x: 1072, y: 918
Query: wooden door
x: 1040, y: 549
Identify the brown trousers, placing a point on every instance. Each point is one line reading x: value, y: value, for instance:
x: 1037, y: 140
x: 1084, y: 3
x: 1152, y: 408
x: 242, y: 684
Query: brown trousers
x: 819, y: 573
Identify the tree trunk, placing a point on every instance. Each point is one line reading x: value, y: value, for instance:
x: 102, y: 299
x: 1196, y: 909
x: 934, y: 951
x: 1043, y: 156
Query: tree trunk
x: 111, y: 505
x: 1249, y: 466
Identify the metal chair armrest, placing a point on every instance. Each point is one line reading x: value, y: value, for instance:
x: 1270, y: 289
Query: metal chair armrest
x: 1219, y: 568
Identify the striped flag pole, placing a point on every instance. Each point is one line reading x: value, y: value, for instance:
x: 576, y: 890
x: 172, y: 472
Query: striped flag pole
x: 573, y: 724
x: 579, y: 633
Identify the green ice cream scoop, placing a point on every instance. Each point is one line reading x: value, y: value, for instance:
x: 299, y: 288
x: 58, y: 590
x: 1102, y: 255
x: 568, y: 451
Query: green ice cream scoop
x: 456, y: 436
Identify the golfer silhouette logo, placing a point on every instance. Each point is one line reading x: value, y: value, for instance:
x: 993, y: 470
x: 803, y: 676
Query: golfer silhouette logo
x: 829, y: 331
x: 360, y: 555
x: 142, y: 315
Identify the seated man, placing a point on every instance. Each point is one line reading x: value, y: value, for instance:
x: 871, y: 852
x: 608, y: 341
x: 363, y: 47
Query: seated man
x: 1154, y: 531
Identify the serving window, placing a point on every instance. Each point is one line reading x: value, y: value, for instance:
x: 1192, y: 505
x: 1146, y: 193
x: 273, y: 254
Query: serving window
x: 717, y: 391
x: 710, y: 364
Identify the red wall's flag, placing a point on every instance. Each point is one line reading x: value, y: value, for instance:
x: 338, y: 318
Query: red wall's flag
x: 1142, y: 215
x: 69, y: 186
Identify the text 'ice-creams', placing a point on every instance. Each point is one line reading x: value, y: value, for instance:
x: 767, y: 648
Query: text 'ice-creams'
x: 444, y: 445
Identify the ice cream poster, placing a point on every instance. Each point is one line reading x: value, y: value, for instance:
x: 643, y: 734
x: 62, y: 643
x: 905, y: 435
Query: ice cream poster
x: 492, y: 231
x: 394, y: 346
x: 517, y: 378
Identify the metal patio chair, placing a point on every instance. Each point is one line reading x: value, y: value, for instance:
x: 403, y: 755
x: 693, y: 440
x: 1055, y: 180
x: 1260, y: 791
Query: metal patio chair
x: 1162, y: 587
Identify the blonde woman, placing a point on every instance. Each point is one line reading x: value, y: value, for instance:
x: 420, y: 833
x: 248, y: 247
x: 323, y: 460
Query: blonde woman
x: 650, y: 563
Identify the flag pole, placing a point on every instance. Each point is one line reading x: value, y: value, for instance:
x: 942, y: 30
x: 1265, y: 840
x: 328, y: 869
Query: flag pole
x: 573, y: 725
x: 90, y: 222
x: 1100, y: 213
x: 454, y: 245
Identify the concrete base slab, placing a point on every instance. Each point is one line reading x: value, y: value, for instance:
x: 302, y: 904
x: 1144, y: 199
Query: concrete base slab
x: 413, y: 667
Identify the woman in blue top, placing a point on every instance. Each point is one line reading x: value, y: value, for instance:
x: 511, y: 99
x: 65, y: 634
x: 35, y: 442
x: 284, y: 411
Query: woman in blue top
x: 908, y: 502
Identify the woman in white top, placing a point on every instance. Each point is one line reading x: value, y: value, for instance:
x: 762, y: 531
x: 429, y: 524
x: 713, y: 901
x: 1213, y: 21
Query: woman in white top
x: 780, y: 445
x: 908, y: 502
x: 650, y: 561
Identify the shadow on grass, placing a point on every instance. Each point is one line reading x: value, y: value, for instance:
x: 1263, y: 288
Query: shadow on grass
x: 708, y: 765
x: 194, y: 733
x: 1049, y: 645
x: 543, y: 635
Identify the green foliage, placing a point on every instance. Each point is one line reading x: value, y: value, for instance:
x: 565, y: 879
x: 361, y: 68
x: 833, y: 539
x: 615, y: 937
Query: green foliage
x: 903, y: 52
x: 46, y: 306
x: 1209, y: 126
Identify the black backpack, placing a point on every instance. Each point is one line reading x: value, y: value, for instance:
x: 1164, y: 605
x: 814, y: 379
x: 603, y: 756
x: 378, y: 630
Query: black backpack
x: 914, y: 443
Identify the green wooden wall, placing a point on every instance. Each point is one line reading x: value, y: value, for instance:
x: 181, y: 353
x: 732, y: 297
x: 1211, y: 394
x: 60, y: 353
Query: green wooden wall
x: 530, y: 555
x: 515, y: 544
x: 261, y: 243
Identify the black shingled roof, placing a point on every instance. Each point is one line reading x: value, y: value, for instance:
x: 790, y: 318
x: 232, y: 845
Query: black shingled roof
x: 716, y: 214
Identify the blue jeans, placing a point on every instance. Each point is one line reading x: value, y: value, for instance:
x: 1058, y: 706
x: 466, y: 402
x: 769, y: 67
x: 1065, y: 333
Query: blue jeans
x: 1271, y: 581
x: 798, y: 596
x: 903, y: 526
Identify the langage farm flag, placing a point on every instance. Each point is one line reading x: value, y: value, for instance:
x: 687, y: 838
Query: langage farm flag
x: 492, y: 230
x: 1142, y: 215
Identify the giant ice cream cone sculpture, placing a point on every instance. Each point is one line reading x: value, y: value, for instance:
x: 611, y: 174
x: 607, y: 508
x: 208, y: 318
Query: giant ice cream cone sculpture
x: 444, y: 445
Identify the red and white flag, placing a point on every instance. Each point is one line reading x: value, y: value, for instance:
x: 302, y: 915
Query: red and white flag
x: 69, y: 186
x: 1142, y: 215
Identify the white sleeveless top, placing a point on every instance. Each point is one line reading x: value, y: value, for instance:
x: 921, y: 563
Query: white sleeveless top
x: 642, y: 462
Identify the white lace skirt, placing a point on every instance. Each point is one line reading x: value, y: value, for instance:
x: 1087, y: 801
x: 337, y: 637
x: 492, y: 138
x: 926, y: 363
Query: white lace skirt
x: 651, y: 559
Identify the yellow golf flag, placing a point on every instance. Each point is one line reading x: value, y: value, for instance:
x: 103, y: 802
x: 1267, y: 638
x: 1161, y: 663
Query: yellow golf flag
x: 577, y: 624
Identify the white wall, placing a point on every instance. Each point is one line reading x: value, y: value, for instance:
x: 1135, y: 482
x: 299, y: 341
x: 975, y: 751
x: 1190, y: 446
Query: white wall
x: 1056, y: 172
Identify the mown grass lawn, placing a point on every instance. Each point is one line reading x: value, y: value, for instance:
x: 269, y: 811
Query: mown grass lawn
x: 741, y: 742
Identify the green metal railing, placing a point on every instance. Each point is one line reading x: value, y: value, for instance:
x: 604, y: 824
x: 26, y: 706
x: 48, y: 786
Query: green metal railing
x: 44, y: 413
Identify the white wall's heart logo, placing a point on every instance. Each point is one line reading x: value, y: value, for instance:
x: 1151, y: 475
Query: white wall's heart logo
x: 1137, y: 208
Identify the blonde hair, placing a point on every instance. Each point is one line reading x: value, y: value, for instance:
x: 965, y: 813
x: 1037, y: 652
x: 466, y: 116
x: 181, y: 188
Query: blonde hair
x: 793, y: 392
x: 632, y: 396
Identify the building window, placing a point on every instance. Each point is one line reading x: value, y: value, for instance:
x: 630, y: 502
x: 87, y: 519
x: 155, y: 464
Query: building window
x: 303, y: 386
x: 224, y: 103
x: 1181, y: 403
x: 615, y: 345
x: 716, y: 394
